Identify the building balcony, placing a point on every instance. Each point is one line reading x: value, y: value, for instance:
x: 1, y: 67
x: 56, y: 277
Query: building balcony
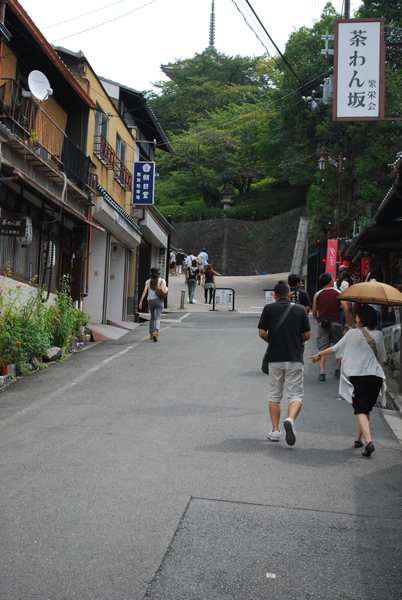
x: 34, y: 128
x: 108, y: 157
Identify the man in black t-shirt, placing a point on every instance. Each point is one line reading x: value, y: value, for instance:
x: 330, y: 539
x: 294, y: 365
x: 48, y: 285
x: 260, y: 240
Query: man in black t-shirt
x: 285, y: 358
x: 299, y: 296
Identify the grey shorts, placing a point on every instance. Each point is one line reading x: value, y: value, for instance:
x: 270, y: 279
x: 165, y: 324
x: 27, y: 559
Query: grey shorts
x: 324, y: 336
x: 285, y: 381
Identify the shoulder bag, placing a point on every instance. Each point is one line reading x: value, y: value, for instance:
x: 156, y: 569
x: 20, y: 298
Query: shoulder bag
x: 264, y: 366
x: 161, y: 290
x: 370, y: 340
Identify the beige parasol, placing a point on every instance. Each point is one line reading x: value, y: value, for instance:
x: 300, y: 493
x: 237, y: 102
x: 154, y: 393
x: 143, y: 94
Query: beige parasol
x: 372, y: 292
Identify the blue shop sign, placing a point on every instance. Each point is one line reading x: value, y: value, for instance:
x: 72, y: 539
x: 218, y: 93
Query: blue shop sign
x: 144, y: 183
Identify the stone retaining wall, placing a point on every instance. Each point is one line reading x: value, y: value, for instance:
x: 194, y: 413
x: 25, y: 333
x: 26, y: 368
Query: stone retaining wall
x: 392, y: 341
x: 242, y: 247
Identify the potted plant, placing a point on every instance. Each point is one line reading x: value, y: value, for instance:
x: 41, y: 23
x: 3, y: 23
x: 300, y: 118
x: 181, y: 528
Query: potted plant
x: 82, y: 320
x: 33, y: 138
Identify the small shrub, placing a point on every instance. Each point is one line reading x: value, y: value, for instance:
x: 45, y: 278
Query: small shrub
x: 61, y: 315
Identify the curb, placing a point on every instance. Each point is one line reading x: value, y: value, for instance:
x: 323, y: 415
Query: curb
x: 395, y: 400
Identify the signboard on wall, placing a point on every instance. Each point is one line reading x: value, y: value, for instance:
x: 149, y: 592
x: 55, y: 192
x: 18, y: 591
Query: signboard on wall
x: 12, y: 226
x: 359, y: 70
x: 269, y: 296
x: 144, y: 183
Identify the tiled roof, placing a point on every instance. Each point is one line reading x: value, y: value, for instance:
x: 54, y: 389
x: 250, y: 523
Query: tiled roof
x: 117, y: 207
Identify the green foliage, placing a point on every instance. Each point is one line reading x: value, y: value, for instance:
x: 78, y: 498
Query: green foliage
x: 28, y: 327
x: 33, y: 332
x: 81, y: 318
x: 61, y: 316
x: 9, y: 333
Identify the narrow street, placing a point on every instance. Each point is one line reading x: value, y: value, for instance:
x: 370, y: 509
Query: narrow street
x: 139, y: 470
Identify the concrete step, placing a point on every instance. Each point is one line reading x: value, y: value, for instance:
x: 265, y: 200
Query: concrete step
x: 130, y: 325
x: 106, y: 332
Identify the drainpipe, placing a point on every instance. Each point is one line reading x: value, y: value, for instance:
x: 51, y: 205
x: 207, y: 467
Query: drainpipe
x: 106, y: 281
x: 88, y: 253
x: 82, y: 70
x: 3, y: 4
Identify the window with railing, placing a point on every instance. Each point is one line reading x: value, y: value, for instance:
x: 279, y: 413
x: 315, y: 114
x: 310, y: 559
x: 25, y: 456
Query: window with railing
x: 122, y: 175
x: 104, y: 151
x: 110, y: 159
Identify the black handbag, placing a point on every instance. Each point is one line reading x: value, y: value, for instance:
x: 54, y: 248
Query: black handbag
x: 326, y: 323
x: 265, y: 366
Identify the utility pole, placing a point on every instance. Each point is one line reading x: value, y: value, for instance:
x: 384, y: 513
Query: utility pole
x: 347, y: 9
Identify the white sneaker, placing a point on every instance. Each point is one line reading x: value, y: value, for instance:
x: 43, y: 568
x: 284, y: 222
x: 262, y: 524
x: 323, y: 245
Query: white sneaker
x: 274, y: 436
x: 290, y: 431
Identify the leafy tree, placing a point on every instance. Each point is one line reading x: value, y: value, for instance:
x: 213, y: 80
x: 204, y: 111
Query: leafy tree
x: 246, y: 121
x: 205, y: 83
x: 215, y: 108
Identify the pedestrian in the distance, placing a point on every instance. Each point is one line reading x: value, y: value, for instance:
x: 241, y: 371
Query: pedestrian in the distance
x: 285, y: 334
x: 208, y: 282
x: 188, y: 261
x: 361, y: 350
x: 155, y: 304
x: 204, y: 257
x: 327, y: 313
x: 298, y: 296
x: 342, y: 283
x: 191, y: 279
x: 172, y: 262
x: 179, y: 261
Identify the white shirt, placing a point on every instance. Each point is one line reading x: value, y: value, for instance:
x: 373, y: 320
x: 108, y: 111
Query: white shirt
x: 357, y: 357
x: 151, y: 293
x: 204, y: 257
x: 189, y: 260
x: 344, y: 286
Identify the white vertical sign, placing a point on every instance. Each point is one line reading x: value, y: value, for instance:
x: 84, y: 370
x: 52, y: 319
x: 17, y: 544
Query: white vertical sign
x: 359, y: 69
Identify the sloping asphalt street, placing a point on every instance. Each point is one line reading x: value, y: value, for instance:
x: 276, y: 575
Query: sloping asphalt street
x: 138, y: 470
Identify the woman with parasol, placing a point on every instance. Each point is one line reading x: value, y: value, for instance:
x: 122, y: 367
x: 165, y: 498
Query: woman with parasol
x: 361, y: 350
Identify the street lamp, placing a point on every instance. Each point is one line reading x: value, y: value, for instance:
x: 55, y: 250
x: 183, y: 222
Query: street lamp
x: 338, y: 163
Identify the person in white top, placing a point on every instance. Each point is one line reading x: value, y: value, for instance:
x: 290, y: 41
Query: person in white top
x: 341, y: 284
x: 361, y: 350
x: 189, y: 260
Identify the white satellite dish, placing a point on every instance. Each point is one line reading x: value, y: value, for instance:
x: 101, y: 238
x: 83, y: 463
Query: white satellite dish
x: 39, y: 85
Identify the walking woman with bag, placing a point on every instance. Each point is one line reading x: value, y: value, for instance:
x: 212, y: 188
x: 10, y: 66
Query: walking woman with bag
x: 155, y: 303
x: 208, y: 282
x: 191, y: 279
x: 361, y: 350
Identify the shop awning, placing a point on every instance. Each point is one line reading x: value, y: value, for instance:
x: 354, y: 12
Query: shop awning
x: 378, y: 238
x: 115, y: 219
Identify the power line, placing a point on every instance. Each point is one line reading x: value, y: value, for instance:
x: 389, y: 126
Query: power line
x: 257, y: 36
x: 83, y: 15
x: 105, y: 23
x: 280, y: 53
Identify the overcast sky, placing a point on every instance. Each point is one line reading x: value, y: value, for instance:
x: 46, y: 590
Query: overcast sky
x: 128, y: 40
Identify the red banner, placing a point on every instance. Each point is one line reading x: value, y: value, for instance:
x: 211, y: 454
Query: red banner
x: 332, y: 254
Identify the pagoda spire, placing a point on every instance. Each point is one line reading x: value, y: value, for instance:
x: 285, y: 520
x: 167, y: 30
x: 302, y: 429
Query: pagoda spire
x: 212, y: 26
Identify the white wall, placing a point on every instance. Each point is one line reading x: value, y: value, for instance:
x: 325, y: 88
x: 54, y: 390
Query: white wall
x: 93, y: 303
x: 117, y: 285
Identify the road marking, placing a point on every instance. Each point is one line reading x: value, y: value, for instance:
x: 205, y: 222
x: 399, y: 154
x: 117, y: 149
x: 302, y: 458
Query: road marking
x: 51, y: 396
